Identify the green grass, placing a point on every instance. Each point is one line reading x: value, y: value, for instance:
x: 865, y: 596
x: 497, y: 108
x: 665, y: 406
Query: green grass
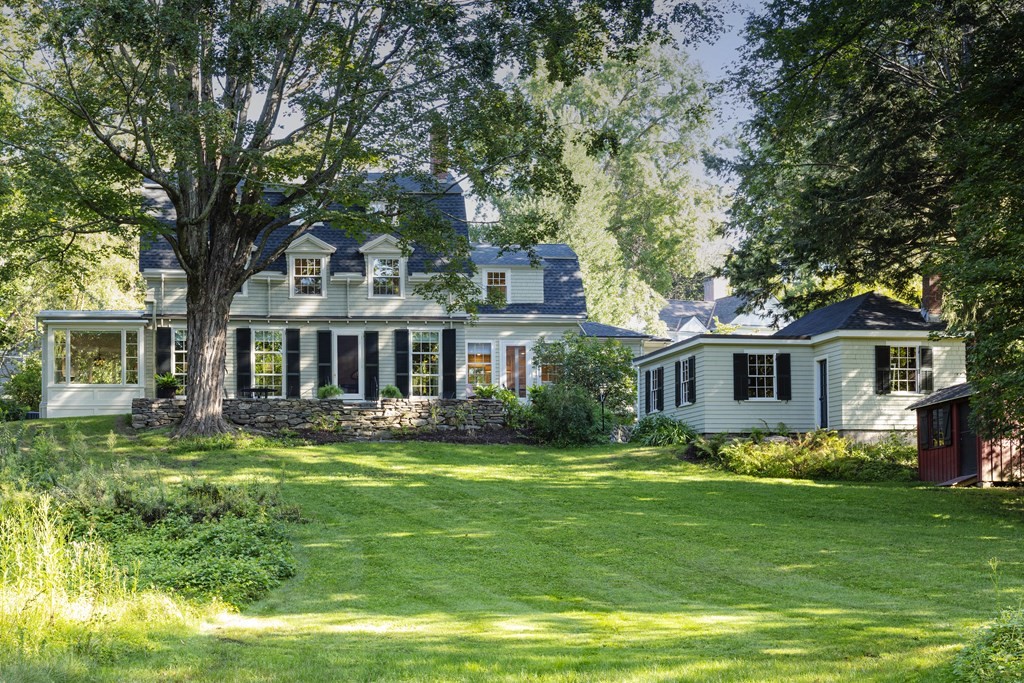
x: 425, y: 562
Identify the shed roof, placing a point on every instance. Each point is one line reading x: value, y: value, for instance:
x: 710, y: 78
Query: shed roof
x: 946, y: 395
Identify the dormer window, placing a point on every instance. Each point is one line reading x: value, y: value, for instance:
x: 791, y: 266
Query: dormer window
x: 308, y: 277
x: 387, y: 277
x: 496, y: 285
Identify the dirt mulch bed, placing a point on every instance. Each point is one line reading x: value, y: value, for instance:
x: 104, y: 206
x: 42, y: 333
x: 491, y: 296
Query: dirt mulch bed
x: 483, y: 436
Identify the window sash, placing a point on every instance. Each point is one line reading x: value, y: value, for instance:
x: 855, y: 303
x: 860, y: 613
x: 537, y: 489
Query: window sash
x: 761, y: 375
x: 179, y: 356
x: 480, y: 363
x: 903, y: 366
x: 268, y: 361
x: 307, y: 277
x: 387, y: 277
x: 425, y: 364
x: 116, y: 369
x: 497, y: 281
x: 684, y: 380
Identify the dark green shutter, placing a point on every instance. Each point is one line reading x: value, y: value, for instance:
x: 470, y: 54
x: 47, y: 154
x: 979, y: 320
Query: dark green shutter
x: 448, y: 363
x: 292, y: 367
x: 691, y: 384
x: 883, y: 370
x: 402, y: 361
x: 784, y: 375
x: 163, y: 350
x: 323, y: 358
x: 372, y: 366
x: 925, y: 384
x: 647, y: 392
x: 739, y: 377
x: 243, y: 361
x: 679, y: 383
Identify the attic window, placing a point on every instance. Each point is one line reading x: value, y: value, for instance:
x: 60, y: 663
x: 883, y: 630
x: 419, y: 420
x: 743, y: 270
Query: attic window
x: 496, y: 285
x: 308, y: 277
x: 387, y: 277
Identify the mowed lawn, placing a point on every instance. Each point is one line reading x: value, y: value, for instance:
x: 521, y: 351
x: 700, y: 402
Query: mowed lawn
x: 430, y: 562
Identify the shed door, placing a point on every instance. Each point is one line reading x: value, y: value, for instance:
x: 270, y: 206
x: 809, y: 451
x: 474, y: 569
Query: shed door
x: 968, y: 442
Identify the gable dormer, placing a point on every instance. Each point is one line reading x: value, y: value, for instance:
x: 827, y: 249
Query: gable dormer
x: 309, y: 264
x: 386, y: 267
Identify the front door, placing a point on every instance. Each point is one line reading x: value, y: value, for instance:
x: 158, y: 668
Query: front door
x: 515, y: 370
x: 968, y: 442
x: 348, y: 364
x: 823, y: 393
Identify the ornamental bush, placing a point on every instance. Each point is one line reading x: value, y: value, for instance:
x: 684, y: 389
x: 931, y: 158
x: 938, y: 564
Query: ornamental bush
x: 566, y: 415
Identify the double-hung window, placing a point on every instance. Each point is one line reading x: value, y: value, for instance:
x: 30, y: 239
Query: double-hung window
x: 179, y: 357
x: 496, y: 285
x: 307, y: 277
x: 387, y: 277
x: 425, y: 351
x: 686, y: 392
x: 268, y: 361
x: 480, y: 363
x: 903, y: 368
x: 760, y: 375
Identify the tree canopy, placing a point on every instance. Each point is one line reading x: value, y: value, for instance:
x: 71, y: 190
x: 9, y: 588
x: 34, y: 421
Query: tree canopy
x: 632, y: 134
x: 884, y: 146
x: 216, y: 102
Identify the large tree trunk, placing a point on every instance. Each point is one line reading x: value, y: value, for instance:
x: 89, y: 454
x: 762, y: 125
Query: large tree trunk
x: 208, y: 305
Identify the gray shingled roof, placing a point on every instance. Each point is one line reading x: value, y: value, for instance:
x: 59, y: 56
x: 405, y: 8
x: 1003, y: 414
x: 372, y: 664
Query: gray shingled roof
x: 486, y: 255
x: 591, y: 329
x: 953, y: 393
x: 563, y: 292
x: 869, y: 311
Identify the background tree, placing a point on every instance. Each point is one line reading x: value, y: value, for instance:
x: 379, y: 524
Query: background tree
x: 879, y: 151
x: 632, y: 135
x: 216, y: 102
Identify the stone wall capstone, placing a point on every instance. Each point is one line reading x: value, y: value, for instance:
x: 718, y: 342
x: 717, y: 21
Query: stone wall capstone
x: 369, y: 420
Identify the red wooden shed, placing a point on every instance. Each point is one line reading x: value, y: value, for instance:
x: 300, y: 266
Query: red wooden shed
x: 949, y: 452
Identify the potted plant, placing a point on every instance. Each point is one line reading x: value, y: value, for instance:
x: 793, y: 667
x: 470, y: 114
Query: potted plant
x: 166, y: 385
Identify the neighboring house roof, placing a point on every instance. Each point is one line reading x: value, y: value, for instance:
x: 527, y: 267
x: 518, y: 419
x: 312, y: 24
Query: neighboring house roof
x: 953, y: 393
x: 591, y: 329
x: 869, y: 311
x: 680, y: 314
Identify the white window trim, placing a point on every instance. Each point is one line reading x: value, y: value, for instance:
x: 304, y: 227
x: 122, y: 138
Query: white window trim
x: 494, y: 363
x: 370, y: 258
x: 775, y: 376
x: 324, y: 267
x: 284, y: 357
x: 508, y: 281
x: 652, y: 390
x: 175, y: 328
x: 350, y: 332
x: 440, y: 363
x: 684, y: 367
x: 51, y: 368
x: 917, y: 368
x: 817, y: 389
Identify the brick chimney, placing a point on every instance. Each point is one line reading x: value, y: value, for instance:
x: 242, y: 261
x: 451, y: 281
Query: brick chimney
x: 931, y: 298
x: 438, y: 151
x: 715, y: 288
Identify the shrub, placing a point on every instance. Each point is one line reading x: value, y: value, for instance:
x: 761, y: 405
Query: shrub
x: 391, y: 391
x: 821, y: 454
x: 10, y: 411
x: 566, y: 416
x: 517, y: 415
x: 997, y: 652
x: 592, y: 364
x: 25, y: 387
x: 329, y: 391
x: 661, y: 430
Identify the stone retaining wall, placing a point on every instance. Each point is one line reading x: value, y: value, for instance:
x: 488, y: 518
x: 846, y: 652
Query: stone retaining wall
x: 360, y: 421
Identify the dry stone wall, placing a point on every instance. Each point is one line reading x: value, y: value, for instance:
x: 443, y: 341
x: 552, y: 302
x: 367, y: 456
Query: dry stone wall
x: 359, y: 421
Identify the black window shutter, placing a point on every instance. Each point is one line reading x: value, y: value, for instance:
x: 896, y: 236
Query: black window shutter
x: 784, y: 374
x: 163, y: 350
x: 883, y: 371
x: 448, y: 363
x: 925, y: 384
x: 739, y: 377
x: 679, y: 383
x: 647, y: 392
x: 243, y: 360
x: 372, y: 366
x: 323, y: 358
x: 691, y: 384
x: 292, y: 372
x: 402, y: 361
x: 661, y: 388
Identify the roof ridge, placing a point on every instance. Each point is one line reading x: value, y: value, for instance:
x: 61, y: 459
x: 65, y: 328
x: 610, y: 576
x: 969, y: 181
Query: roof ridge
x: 863, y: 297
